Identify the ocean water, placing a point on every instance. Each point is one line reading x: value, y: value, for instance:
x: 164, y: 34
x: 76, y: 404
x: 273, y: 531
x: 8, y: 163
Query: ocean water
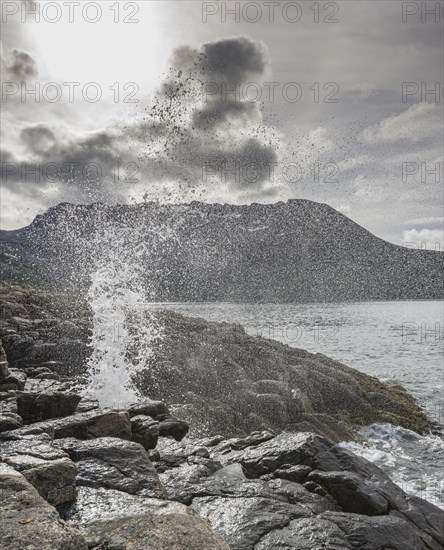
x: 398, y: 342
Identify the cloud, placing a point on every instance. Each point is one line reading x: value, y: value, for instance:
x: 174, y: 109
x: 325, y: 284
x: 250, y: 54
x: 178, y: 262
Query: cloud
x: 19, y: 66
x: 200, y: 142
x: 40, y: 139
x: 419, y: 122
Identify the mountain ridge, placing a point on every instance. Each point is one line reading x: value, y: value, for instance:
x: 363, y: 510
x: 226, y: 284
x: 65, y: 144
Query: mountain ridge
x: 297, y: 251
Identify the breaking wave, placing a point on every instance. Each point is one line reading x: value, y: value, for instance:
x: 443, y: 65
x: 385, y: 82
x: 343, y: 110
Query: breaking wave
x: 412, y: 461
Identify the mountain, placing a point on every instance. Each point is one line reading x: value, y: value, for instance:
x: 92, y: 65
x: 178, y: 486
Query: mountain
x: 298, y: 251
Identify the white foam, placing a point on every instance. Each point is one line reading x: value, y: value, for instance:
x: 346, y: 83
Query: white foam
x: 123, y: 326
x: 414, y: 462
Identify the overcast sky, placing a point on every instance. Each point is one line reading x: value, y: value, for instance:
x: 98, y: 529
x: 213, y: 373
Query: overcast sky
x: 318, y: 111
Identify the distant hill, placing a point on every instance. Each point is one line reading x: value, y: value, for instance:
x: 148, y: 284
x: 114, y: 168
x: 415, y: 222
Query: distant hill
x: 298, y: 251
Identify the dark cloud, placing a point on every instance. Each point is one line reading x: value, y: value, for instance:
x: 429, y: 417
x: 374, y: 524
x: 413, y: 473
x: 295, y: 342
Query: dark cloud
x: 234, y: 60
x: 20, y: 66
x: 40, y: 139
x: 201, y: 120
x: 219, y: 112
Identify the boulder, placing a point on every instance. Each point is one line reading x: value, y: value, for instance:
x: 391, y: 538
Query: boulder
x: 155, y: 409
x: 173, y: 427
x: 113, y: 463
x: 118, y: 520
x: 163, y: 532
x: 10, y: 421
x: 28, y: 521
x: 3, y: 364
x: 374, y: 533
x: 242, y: 521
x: 34, y: 406
x: 48, y: 469
x: 353, y: 482
x: 145, y: 431
x: 16, y: 377
x: 91, y: 424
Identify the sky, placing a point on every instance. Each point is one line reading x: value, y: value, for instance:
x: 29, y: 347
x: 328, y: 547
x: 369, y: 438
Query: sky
x: 230, y: 102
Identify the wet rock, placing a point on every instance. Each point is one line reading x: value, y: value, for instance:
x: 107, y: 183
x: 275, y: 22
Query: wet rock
x: 296, y: 473
x: 91, y: 424
x: 15, y: 377
x: 87, y: 404
x: 190, y: 480
x: 251, y: 440
x: 114, y: 519
x: 305, y: 534
x: 112, y: 463
x: 8, y: 402
x: 243, y: 521
x: 96, y: 504
x: 351, y: 492
x: 365, y: 489
x: 28, y: 522
x: 173, y: 427
x: 145, y: 431
x: 377, y: 532
x: 155, y: 409
x: 48, y: 469
x: 4, y: 369
x: 10, y: 421
x: 34, y: 407
x: 44, y: 385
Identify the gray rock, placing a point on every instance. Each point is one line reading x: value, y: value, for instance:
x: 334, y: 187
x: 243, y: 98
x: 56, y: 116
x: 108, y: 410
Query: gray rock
x: 173, y: 427
x: 10, y: 421
x: 87, y: 404
x: 373, y: 533
x: 151, y: 532
x: 242, y: 521
x: 113, y: 463
x: 42, y: 432
x: 305, y: 534
x: 352, y: 493
x: 48, y: 469
x: 365, y: 489
x: 3, y: 364
x: 114, y: 518
x: 91, y: 424
x: 145, y: 431
x: 155, y: 409
x: 28, y: 522
x: 296, y: 473
x: 16, y: 377
x: 34, y: 407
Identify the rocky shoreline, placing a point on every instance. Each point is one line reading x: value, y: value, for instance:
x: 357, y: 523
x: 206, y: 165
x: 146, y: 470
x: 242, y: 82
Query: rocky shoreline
x: 75, y: 476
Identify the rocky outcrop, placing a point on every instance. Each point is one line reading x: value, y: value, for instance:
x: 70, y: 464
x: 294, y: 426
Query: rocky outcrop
x: 224, y: 381
x: 28, y: 521
x: 48, y: 469
x: 78, y: 476
x: 113, y: 463
x: 339, y: 500
x: 219, y: 379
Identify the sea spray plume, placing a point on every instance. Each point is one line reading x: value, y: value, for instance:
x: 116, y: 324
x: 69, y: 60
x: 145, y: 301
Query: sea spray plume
x: 115, y: 255
x: 124, y: 328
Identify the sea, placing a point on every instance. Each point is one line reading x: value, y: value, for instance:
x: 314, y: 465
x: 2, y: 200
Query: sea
x: 399, y: 342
